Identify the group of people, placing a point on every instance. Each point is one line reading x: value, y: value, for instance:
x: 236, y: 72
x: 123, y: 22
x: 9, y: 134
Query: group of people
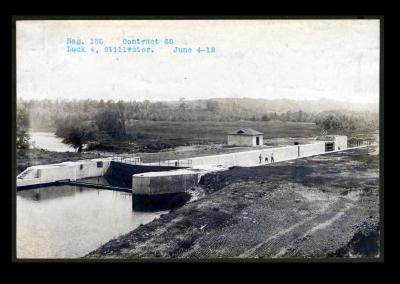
x: 266, y: 158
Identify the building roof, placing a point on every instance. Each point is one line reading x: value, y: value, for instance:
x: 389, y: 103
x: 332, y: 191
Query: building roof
x: 245, y: 131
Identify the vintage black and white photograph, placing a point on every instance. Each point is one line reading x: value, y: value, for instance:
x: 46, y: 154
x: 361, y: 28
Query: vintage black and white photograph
x: 198, y: 139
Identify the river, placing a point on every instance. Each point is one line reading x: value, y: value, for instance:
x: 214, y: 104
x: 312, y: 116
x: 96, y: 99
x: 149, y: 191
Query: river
x: 71, y: 221
x: 49, y: 141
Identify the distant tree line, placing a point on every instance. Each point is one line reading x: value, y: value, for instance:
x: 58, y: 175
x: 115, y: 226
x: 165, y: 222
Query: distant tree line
x: 47, y: 111
x: 336, y: 121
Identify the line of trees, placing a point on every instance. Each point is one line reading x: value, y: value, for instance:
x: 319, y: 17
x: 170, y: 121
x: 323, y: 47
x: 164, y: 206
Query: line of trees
x: 347, y: 121
x: 48, y: 111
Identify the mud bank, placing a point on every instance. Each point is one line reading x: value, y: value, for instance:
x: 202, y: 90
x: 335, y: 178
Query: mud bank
x: 322, y: 206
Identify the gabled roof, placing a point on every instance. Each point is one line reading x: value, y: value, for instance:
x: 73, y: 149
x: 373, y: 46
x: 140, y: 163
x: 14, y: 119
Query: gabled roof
x: 245, y: 131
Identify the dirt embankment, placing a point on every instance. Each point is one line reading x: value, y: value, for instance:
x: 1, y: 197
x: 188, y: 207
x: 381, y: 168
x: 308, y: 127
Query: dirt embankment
x: 322, y: 206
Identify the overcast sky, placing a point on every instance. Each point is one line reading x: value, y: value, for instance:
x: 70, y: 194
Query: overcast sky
x: 272, y: 59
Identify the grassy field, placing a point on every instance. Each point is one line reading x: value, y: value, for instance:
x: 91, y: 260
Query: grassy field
x: 157, y: 135
x: 152, y: 136
x: 216, y: 131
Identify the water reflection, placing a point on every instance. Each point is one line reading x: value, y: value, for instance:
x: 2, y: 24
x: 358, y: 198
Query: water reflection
x: 71, y: 221
x: 51, y: 192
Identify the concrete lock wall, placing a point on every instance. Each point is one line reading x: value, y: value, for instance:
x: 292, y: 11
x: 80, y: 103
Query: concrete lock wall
x: 163, y: 183
x: 181, y: 180
x: 250, y: 158
x: 90, y: 169
x: 176, y: 180
x: 120, y: 174
x: 63, y: 171
x: 312, y: 149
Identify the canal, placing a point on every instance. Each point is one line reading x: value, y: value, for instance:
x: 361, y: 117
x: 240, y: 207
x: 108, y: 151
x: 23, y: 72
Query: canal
x: 71, y: 221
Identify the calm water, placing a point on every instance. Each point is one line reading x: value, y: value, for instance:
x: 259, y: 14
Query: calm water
x: 49, y: 141
x: 71, y: 221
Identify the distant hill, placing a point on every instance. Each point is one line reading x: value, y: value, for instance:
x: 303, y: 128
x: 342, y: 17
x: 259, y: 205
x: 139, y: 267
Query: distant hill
x: 283, y: 105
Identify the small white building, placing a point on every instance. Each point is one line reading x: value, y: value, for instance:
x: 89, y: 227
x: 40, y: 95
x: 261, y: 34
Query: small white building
x: 245, y: 137
x: 334, y: 142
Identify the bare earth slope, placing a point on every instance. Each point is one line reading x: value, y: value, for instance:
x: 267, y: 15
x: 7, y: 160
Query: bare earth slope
x: 321, y: 206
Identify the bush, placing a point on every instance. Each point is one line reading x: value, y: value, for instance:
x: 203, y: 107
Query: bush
x: 75, y: 132
x: 265, y: 117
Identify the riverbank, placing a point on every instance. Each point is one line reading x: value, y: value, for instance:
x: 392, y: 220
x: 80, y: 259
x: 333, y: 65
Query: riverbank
x: 321, y: 206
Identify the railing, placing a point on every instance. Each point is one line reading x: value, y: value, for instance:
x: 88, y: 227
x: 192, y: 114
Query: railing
x: 168, y: 163
x: 127, y: 159
x: 360, y: 142
x: 179, y: 163
x: 134, y: 160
